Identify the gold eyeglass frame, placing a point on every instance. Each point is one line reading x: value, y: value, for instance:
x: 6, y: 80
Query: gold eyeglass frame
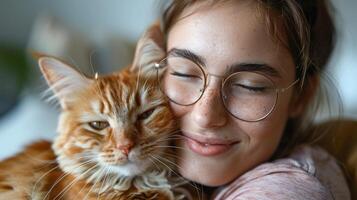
x: 158, y: 66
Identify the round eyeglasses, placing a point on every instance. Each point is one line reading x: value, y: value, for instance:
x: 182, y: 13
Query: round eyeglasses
x: 248, y: 96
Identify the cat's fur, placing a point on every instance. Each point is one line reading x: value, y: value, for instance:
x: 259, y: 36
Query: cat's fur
x: 128, y: 159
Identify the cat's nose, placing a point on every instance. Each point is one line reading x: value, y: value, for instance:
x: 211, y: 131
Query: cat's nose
x: 125, y: 148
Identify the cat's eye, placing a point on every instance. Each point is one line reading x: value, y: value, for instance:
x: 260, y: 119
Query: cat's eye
x: 98, y: 125
x: 146, y: 114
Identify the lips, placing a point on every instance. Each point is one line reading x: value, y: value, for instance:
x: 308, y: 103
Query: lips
x: 208, y: 146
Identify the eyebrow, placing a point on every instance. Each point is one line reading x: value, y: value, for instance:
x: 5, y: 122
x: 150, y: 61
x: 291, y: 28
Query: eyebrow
x: 236, y: 67
x: 255, y: 67
x: 185, y: 53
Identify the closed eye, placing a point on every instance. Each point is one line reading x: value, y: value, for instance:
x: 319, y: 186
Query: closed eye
x: 250, y: 88
x: 182, y: 75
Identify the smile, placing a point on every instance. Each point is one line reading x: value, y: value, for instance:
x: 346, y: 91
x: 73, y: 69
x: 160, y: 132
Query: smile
x: 208, y: 146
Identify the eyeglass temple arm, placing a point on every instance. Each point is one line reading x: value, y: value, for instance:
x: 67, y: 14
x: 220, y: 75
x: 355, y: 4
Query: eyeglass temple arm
x: 291, y: 85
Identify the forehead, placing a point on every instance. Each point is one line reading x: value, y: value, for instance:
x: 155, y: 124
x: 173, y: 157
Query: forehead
x: 121, y: 91
x: 233, y: 32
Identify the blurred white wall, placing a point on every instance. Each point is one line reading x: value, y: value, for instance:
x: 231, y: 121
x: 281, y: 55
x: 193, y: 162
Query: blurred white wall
x: 103, y: 22
x: 97, y: 19
x: 343, y: 64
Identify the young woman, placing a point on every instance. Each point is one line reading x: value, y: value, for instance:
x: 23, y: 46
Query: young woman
x: 240, y: 75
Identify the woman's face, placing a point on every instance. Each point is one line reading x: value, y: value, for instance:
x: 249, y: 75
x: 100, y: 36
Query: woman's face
x: 218, y: 147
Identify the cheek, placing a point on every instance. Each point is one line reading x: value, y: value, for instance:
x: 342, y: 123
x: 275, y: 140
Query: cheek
x: 267, y: 133
x: 81, y: 143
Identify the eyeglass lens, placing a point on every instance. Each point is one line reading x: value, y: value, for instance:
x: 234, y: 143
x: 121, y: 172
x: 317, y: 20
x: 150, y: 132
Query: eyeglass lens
x: 246, y: 95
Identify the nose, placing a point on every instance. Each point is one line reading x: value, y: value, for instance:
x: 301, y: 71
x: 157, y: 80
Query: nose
x: 124, y: 141
x: 125, y: 147
x: 209, y: 111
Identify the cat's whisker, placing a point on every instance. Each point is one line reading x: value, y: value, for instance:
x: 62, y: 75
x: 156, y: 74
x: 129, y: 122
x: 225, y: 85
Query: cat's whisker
x: 96, y: 175
x: 169, y: 139
x: 61, y: 178
x: 174, y: 132
x: 38, y: 180
x: 159, y: 142
x: 168, y: 146
x: 178, y: 167
x: 56, y: 182
x: 93, y: 71
x: 82, y: 75
x: 50, y: 161
x: 173, y: 155
x: 103, y: 182
x: 87, y: 158
x: 68, y: 187
x: 154, y: 141
x: 106, y: 174
x: 173, y: 136
x: 90, y: 61
x: 97, y: 179
x: 94, y: 182
x: 153, y: 162
x: 183, y: 180
x: 100, y: 178
x: 163, y: 163
x: 171, y: 162
x: 158, y: 159
x: 77, y: 67
x: 97, y: 90
x: 82, y: 188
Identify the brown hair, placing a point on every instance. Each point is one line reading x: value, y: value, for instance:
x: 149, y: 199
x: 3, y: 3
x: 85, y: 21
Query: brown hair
x: 306, y: 28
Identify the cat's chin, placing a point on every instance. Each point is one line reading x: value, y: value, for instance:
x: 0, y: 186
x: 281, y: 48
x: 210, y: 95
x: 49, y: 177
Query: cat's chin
x: 129, y: 169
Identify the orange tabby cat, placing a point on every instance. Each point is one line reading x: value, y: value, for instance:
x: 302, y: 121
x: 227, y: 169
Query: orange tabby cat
x: 113, y: 136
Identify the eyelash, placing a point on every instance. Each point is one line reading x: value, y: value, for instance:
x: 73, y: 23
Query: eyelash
x: 253, y: 89
x: 184, y: 75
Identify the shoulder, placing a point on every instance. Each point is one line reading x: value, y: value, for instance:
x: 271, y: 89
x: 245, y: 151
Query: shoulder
x: 308, y: 173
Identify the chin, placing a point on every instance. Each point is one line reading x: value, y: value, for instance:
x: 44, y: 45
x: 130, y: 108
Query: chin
x: 204, y: 179
x: 208, y: 176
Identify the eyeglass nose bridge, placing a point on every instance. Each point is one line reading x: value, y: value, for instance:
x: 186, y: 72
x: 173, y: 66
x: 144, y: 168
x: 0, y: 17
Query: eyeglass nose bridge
x: 208, y: 79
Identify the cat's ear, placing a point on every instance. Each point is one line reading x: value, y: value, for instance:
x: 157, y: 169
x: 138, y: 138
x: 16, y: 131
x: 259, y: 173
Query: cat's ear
x: 62, y: 79
x: 150, y: 49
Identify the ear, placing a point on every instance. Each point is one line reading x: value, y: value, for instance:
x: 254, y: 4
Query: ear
x: 301, y: 100
x: 150, y: 49
x: 62, y: 79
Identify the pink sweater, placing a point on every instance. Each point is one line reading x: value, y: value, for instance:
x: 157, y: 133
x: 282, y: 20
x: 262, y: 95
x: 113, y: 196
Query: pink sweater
x: 309, y: 173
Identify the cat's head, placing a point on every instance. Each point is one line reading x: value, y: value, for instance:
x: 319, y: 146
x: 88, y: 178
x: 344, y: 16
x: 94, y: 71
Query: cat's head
x: 118, y: 123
